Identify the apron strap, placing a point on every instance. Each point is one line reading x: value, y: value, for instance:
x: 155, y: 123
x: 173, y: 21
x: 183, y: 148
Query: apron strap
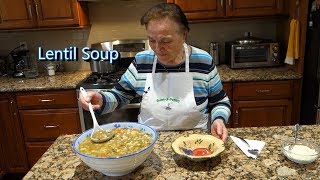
x: 186, y: 51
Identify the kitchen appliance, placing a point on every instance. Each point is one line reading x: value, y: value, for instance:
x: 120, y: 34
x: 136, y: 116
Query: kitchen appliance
x: 310, y: 101
x: 214, y: 52
x: 126, y: 48
x: 249, y: 52
x: 19, y: 58
x: 104, y: 80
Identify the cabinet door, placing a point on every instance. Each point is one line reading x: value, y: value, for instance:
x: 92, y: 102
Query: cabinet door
x: 201, y: 9
x: 262, y: 113
x: 16, y: 14
x: 57, y: 12
x: 227, y: 86
x: 39, y: 125
x: 253, y: 7
x: 2, y: 155
x: 12, y: 143
x: 35, y: 150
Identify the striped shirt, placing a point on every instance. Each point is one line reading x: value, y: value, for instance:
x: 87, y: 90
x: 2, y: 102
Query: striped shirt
x: 207, y: 86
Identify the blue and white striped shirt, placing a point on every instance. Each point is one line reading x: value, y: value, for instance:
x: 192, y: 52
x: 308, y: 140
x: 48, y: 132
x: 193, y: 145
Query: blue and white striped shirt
x: 207, y: 86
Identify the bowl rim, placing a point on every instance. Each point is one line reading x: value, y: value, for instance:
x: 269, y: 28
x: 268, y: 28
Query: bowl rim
x: 301, y: 142
x: 197, y: 157
x: 119, y: 157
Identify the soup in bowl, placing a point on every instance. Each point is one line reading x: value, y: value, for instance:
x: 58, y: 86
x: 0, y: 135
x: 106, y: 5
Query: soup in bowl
x: 128, y: 149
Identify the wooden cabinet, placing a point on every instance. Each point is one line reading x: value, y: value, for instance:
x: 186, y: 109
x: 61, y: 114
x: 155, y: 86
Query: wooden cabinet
x: 262, y: 113
x: 242, y: 8
x: 12, y: 148
x: 42, y: 14
x: 36, y: 149
x: 201, y: 9
x: 45, y: 116
x: 212, y: 9
x: 16, y: 14
x: 227, y: 87
x: 267, y: 103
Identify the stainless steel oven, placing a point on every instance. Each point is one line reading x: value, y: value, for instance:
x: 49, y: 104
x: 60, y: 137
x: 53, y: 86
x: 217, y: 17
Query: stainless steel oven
x: 104, y: 80
x: 128, y: 113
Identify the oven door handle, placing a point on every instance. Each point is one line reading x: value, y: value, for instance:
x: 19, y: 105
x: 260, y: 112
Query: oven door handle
x: 131, y: 106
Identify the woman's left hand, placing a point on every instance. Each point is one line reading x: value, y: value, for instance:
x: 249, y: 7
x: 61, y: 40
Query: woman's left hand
x: 219, y: 130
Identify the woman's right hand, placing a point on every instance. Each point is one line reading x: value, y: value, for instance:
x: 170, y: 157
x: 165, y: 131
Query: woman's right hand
x: 92, y: 96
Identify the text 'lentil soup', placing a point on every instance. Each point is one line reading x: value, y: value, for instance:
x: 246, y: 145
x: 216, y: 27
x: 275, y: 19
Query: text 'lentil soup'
x: 125, y: 141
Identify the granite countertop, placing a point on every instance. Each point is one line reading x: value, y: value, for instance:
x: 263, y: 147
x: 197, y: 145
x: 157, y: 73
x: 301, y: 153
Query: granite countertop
x: 62, y: 80
x: 256, y: 74
x: 69, y: 80
x: 60, y: 162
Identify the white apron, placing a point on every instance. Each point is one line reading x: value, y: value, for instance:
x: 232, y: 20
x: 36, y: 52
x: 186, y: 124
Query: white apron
x: 168, y: 102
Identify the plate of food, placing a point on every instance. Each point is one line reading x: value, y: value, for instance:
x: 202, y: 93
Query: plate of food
x: 198, y: 147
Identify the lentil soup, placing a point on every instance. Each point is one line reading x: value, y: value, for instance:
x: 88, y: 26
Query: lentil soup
x: 125, y: 141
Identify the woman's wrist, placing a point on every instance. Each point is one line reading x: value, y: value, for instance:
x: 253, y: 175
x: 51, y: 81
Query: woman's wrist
x: 219, y: 117
x: 99, y: 111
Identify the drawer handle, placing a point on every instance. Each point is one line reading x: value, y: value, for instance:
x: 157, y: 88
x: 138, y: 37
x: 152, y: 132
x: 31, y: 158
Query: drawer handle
x: 237, y: 117
x: 50, y: 126
x: 37, y: 10
x: 30, y: 11
x: 46, y: 100
x: 263, y: 90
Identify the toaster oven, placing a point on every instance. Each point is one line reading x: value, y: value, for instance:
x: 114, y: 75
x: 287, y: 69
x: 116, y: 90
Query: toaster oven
x: 250, y: 55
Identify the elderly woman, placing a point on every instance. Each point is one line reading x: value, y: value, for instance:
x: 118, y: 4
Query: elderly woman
x: 179, y: 84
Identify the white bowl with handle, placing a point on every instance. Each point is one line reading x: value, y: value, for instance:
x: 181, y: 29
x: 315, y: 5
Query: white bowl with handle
x: 117, y: 166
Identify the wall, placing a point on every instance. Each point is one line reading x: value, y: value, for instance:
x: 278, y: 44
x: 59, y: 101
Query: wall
x: 120, y: 20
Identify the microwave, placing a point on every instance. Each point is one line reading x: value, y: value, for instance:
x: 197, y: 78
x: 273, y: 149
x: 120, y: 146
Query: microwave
x: 252, y: 55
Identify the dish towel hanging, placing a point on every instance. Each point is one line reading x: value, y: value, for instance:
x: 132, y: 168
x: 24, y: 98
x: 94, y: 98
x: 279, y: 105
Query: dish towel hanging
x: 293, y: 43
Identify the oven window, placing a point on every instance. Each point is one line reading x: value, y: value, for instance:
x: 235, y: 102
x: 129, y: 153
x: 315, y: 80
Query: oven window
x: 120, y: 115
x: 247, y: 55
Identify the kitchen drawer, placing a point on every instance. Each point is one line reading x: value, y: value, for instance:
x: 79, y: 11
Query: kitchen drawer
x: 47, y: 99
x: 263, y: 90
x: 40, y: 125
x: 35, y: 150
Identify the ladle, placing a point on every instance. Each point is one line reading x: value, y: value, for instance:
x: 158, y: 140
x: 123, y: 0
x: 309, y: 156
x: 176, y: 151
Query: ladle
x: 98, y: 134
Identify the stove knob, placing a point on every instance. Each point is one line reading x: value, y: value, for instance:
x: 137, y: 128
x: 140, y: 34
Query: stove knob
x: 275, y: 48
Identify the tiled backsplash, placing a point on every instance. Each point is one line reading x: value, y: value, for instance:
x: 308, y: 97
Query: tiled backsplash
x: 121, y: 20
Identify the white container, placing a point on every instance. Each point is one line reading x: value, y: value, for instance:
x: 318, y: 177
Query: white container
x: 51, y: 71
x: 301, y: 152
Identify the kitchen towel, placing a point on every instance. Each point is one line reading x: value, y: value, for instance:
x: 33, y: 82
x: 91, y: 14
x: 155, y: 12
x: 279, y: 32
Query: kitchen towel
x: 244, y: 147
x: 293, y: 43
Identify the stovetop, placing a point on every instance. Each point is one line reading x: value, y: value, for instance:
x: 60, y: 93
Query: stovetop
x: 101, y: 81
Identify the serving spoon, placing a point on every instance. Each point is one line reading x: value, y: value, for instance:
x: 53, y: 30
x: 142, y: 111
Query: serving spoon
x: 98, y: 134
x: 296, y: 130
x: 250, y: 150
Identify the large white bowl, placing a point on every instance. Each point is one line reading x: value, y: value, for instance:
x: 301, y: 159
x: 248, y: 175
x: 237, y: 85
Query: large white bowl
x: 121, y: 165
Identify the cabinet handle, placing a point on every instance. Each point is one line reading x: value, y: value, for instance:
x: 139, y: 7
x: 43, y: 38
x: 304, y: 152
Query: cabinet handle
x: 11, y: 104
x: 46, y: 100
x: 263, y: 90
x: 237, y: 117
x: 37, y: 10
x: 230, y: 2
x: 30, y: 10
x: 221, y: 3
x: 50, y: 126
